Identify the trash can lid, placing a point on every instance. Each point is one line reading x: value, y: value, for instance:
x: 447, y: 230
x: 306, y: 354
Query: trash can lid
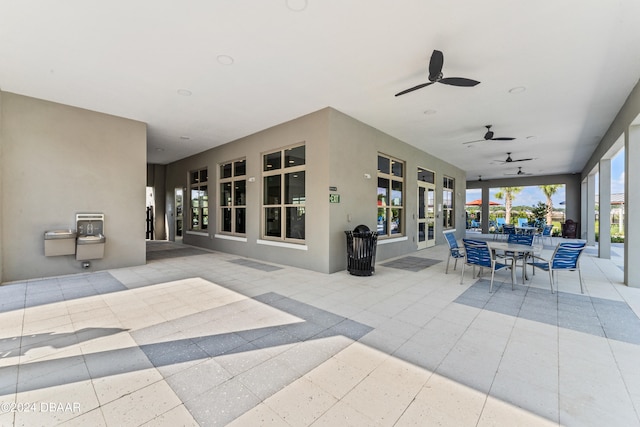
x: 59, y: 234
x: 361, y: 229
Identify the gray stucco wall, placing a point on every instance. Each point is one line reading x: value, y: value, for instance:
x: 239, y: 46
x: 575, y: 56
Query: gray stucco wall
x: 311, y: 129
x: 354, y: 153
x: 339, y: 151
x: 57, y: 161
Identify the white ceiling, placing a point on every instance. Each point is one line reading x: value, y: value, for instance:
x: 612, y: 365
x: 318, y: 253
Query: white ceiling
x: 577, y: 59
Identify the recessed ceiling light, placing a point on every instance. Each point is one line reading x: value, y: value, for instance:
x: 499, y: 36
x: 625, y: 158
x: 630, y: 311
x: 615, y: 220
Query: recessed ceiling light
x: 517, y: 89
x: 184, y: 92
x: 297, y: 5
x: 159, y: 149
x: 430, y: 112
x: 225, y: 59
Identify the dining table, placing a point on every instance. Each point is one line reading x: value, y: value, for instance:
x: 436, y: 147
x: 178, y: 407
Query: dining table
x: 516, y: 248
x: 526, y: 229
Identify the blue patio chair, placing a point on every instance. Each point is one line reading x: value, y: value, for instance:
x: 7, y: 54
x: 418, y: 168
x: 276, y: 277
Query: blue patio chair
x: 454, y: 250
x: 508, y: 229
x: 477, y: 253
x: 565, y: 257
x: 546, y: 232
x: 523, y: 222
x: 520, y: 239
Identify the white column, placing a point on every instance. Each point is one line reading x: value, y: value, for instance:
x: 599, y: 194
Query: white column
x: 604, y: 242
x: 590, y: 226
x: 632, y: 207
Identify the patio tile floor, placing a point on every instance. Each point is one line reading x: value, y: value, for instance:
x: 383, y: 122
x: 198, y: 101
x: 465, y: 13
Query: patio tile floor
x: 207, y: 338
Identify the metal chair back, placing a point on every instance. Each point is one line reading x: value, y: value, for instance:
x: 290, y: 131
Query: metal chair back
x: 567, y: 255
x: 521, y: 239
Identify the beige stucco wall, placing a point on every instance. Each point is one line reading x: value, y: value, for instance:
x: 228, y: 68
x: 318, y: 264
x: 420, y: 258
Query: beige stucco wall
x: 1, y: 191
x: 57, y: 161
x: 311, y: 129
x: 339, y: 151
x: 354, y: 153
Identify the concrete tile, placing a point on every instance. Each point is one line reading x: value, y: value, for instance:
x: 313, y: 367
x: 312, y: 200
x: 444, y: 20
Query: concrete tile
x: 301, y: 403
x: 141, y: 406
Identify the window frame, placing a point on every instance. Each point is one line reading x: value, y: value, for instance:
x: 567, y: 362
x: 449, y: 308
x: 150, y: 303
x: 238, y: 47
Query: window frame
x: 232, y: 204
x: 389, y: 207
x: 448, y: 212
x: 197, y: 184
x: 284, y: 169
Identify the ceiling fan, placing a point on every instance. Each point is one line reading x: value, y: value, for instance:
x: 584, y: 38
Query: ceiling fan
x: 510, y: 160
x: 519, y: 173
x: 435, y: 75
x: 489, y: 137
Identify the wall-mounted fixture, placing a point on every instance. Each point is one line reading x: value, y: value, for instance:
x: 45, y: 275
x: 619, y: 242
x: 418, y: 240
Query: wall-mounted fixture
x: 91, y: 240
x: 59, y: 242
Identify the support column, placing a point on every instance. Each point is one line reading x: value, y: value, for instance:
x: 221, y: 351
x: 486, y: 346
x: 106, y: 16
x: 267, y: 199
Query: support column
x: 583, y: 210
x: 591, y: 210
x: 484, y: 210
x: 632, y: 207
x: 604, y: 229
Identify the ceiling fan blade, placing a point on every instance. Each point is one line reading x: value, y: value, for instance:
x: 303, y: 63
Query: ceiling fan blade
x: 520, y: 160
x: 477, y: 140
x: 459, y: 81
x: 503, y: 138
x: 435, y: 65
x: 414, y: 88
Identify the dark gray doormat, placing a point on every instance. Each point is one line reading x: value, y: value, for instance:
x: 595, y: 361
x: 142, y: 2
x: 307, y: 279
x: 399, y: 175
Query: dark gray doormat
x: 157, y: 254
x: 254, y: 264
x: 411, y: 263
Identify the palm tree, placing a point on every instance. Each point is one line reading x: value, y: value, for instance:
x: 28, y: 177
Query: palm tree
x: 508, y: 193
x: 549, y: 190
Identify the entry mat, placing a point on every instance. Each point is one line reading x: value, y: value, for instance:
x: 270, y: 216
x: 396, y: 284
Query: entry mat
x: 596, y: 316
x: 173, y: 252
x: 412, y: 263
x: 254, y: 264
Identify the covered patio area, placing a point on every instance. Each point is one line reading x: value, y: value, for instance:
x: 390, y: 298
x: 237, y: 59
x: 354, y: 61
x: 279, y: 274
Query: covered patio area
x: 207, y: 338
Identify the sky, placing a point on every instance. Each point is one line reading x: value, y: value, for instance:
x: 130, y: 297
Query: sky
x: 530, y: 196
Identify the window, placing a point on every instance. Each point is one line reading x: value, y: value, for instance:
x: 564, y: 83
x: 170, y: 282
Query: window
x: 448, y: 186
x: 283, y: 192
x: 425, y: 175
x: 199, y: 200
x: 233, y: 197
x: 390, y: 196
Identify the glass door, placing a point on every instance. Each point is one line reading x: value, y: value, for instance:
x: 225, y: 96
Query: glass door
x: 426, y: 215
x: 178, y: 218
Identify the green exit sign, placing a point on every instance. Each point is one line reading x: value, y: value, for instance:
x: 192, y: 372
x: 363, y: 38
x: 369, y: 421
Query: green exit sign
x: 334, y: 198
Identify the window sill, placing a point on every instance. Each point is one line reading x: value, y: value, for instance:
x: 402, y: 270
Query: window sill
x: 198, y: 233
x: 228, y: 237
x: 392, y: 240
x: 283, y: 245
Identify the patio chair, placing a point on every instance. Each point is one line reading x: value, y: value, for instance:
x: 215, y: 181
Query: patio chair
x: 477, y: 253
x: 454, y: 250
x: 565, y: 257
x: 508, y: 229
x: 520, y: 239
x: 546, y: 232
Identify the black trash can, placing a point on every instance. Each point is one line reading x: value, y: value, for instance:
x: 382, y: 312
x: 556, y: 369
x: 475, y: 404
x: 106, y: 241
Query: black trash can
x: 361, y: 251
